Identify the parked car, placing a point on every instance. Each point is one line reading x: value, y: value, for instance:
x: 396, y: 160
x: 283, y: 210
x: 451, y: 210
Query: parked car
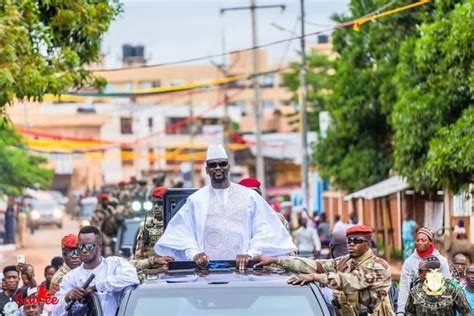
x: 46, y: 212
x: 58, y: 197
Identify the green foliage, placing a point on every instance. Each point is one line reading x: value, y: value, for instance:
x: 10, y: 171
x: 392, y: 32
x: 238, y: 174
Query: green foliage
x: 18, y: 168
x: 45, y: 44
x: 432, y: 117
x: 358, y: 149
x: 401, y: 97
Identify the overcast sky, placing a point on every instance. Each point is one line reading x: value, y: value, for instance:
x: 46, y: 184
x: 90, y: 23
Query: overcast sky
x: 180, y: 29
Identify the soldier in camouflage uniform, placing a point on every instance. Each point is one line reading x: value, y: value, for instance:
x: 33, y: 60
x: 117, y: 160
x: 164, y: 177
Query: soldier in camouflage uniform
x: 145, y: 256
x: 360, y: 281
x: 434, y: 295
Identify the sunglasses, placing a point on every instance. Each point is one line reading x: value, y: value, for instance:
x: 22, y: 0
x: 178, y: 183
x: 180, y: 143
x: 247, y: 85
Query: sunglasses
x: 221, y: 164
x: 88, y: 246
x: 71, y: 252
x: 356, y: 240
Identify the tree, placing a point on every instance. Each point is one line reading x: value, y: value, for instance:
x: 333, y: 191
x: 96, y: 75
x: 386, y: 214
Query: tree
x: 358, y: 149
x: 44, y: 45
x: 18, y: 168
x: 433, y: 117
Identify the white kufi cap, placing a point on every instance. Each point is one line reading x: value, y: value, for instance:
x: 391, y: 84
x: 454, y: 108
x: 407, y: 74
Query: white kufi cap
x: 216, y: 152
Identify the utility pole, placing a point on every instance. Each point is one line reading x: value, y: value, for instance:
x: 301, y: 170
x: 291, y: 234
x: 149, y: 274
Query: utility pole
x: 260, y: 166
x: 304, y: 118
x: 193, y: 128
x: 225, y: 98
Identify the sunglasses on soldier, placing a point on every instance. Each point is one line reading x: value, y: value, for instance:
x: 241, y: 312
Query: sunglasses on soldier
x: 71, y: 252
x: 356, y: 240
x: 221, y: 164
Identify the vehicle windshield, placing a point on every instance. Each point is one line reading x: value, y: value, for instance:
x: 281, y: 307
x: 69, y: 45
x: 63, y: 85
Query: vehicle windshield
x: 129, y: 233
x: 231, y: 301
x: 44, y: 206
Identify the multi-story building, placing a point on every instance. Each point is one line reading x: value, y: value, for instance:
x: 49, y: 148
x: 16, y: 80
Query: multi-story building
x: 153, y: 133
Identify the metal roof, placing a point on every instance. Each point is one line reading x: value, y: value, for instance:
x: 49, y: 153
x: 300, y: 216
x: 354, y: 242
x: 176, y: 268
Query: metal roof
x: 386, y: 187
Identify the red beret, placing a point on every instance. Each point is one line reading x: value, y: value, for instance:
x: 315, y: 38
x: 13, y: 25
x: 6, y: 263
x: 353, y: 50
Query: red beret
x: 103, y: 196
x: 250, y: 183
x: 158, y: 192
x: 69, y: 241
x: 359, y: 230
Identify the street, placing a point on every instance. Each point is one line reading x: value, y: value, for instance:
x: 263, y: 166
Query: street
x: 41, y: 247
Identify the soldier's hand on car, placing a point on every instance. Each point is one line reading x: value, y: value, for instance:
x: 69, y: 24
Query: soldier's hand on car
x: 264, y: 261
x: 241, y: 261
x: 201, y: 260
x: 162, y: 260
x: 301, y: 280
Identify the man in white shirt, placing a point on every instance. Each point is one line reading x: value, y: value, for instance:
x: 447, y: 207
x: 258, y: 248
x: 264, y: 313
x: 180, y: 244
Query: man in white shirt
x: 339, y: 224
x: 112, y: 274
x: 224, y: 221
x: 307, y: 239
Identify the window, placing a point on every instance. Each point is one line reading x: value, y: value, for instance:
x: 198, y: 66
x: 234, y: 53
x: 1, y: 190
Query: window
x: 150, y: 123
x: 176, y: 82
x: 109, y: 88
x: 240, y: 105
x: 151, y: 157
x: 156, y: 84
x: 123, y: 87
x: 267, y: 81
x: 268, y: 104
x: 145, y: 85
x: 237, y: 84
x: 126, y: 125
x: 461, y: 205
x: 177, y: 127
x: 127, y: 155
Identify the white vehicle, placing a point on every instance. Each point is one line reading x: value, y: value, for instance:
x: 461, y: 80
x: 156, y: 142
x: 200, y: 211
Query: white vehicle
x: 46, y: 212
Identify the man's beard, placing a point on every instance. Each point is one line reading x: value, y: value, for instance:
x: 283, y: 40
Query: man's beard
x: 219, y: 180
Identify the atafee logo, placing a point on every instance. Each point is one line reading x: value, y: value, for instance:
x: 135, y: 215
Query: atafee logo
x: 42, y: 296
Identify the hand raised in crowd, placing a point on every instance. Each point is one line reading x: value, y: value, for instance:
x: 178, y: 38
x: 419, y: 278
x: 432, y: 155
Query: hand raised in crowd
x: 241, y: 261
x: 201, y: 260
x: 264, y: 261
x: 301, y: 279
x: 22, y: 267
x: 162, y: 260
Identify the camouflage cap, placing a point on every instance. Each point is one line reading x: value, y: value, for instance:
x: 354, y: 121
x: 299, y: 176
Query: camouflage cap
x: 429, y: 263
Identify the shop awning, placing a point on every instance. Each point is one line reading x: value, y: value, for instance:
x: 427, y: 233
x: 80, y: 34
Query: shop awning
x: 384, y: 188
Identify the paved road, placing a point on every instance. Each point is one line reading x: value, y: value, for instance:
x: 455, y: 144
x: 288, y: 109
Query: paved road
x: 41, y: 247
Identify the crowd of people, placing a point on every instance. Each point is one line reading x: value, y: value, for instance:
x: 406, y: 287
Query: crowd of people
x: 229, y: 221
